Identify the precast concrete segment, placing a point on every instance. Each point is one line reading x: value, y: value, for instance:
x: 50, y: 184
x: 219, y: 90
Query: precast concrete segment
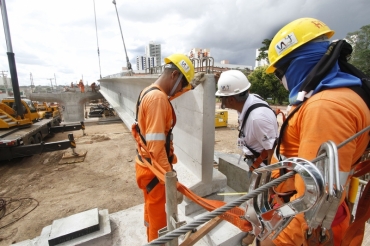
x: 73, y: 102
x: 74, y: 226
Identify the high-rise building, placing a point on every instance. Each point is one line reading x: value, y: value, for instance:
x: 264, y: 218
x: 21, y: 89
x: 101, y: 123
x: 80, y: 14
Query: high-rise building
x: 143, y: 62
x: 154, y: 50
x: 261, y: 62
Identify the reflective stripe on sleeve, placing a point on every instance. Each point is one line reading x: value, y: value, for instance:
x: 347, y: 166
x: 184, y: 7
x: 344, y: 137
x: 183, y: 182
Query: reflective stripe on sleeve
x: 155, y: 137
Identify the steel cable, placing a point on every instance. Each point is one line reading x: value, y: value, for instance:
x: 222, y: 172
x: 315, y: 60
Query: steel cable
x: 192, y: 225
x: 188, y: 227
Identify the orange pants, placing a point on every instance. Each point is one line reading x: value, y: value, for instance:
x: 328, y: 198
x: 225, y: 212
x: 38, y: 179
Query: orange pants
x: 154, y: 202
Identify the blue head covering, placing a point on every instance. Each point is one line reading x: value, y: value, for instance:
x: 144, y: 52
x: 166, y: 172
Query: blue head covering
x: 302, y: 62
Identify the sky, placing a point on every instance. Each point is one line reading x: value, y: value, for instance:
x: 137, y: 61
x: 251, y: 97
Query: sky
x: 57, y: 40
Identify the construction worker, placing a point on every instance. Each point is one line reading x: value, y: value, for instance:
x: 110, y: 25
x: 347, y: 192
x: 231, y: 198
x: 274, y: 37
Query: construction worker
x: 93, y: 87
x: 258, y: 127
x: 82, y: 86
x: 155, y: 120
x: 324, y: 107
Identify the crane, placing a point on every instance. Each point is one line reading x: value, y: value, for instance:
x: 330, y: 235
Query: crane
x: 124, y: 46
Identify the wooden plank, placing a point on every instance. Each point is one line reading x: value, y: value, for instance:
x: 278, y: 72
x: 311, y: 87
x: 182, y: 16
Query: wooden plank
x: 195, y: 237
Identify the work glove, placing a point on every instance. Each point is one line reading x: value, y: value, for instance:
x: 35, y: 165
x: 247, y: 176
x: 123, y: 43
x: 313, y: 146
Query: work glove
x: 199, y: 78
x: 217, y: 76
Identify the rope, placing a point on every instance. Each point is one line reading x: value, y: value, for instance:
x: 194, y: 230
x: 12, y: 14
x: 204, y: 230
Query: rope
x: 194, y: 224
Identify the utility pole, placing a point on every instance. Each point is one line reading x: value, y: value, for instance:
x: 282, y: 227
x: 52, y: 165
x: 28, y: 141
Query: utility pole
x: 5, y: 81
x: 51, y: 82
x: 32, y: 84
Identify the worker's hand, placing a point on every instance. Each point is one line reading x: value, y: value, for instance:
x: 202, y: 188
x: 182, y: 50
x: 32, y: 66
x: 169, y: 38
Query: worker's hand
x: 199, y: 78
x: 217, y: 76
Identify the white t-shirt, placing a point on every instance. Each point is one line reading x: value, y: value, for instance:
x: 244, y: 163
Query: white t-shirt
x: 261, y: 127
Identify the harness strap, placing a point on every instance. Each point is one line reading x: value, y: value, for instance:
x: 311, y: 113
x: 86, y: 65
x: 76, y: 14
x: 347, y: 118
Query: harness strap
x: 256, y: 164
x: 234, y: 216
x: 363, y: 168
x: 154, y: 181
x: 355, y: 232
x: 241, y: 134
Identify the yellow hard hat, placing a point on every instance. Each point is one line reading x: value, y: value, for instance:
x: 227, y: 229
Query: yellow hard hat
x: 183, y: 63
x: 294, y: 35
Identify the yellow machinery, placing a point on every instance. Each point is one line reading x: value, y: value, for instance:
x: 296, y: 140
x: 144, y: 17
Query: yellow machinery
x: 46, y: 111
x: 8, y: 116
x: 221, y: 117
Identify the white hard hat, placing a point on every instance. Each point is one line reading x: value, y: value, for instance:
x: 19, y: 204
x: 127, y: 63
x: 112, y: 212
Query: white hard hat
x: 232, y: 82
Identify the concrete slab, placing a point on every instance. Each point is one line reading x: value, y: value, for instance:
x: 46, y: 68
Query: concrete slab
x: 237, y: 173
x: 128, y: 228
x: 74, y: 226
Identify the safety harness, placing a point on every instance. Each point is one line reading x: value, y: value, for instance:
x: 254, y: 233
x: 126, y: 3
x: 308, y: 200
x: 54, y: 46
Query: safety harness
x: 155, y: 180
x: 258, y: 157
x: 234, y: 216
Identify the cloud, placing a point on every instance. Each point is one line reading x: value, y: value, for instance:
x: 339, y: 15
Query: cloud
x: 60, y: 37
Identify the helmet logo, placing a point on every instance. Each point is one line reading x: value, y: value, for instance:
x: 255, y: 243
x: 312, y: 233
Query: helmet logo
x: 224, y: 87
x: 318, y: 24
x: 184, y: 65
x: 285, y: 43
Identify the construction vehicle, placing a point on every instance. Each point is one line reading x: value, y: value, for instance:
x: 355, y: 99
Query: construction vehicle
x: 21, y: 129
x: 46, y: 111
x: 23, y: 135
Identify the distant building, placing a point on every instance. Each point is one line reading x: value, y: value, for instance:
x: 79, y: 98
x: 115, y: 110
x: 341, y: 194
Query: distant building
x: 154, y: 50
x: 5, y: 85
x: 225, y: 62
x: 144, y: 62
x: 260, y: 63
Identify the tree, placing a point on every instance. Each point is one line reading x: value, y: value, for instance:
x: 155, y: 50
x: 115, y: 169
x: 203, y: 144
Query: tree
x: 267, y: 86
x: 360, y: 41
x: 264, y: 50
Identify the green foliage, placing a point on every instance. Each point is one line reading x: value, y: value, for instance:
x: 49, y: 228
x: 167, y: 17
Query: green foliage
x: 246, y: 71
x: 360, y: 41
x: 267, y: 86
x: 264, y: 50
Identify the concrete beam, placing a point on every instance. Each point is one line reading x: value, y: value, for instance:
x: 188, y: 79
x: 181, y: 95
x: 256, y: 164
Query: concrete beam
x: 194, y: 133
x: 73, y: 102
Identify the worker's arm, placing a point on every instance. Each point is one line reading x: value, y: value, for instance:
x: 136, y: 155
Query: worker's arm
x: 270, y: 153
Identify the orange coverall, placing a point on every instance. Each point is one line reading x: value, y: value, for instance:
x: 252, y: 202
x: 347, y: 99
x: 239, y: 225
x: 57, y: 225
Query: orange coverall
x: 82, y: 86
x: 155, y: 119
x: 335, y: 115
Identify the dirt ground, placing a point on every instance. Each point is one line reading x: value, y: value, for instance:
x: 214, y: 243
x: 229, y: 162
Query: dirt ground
x: 39, y: 190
